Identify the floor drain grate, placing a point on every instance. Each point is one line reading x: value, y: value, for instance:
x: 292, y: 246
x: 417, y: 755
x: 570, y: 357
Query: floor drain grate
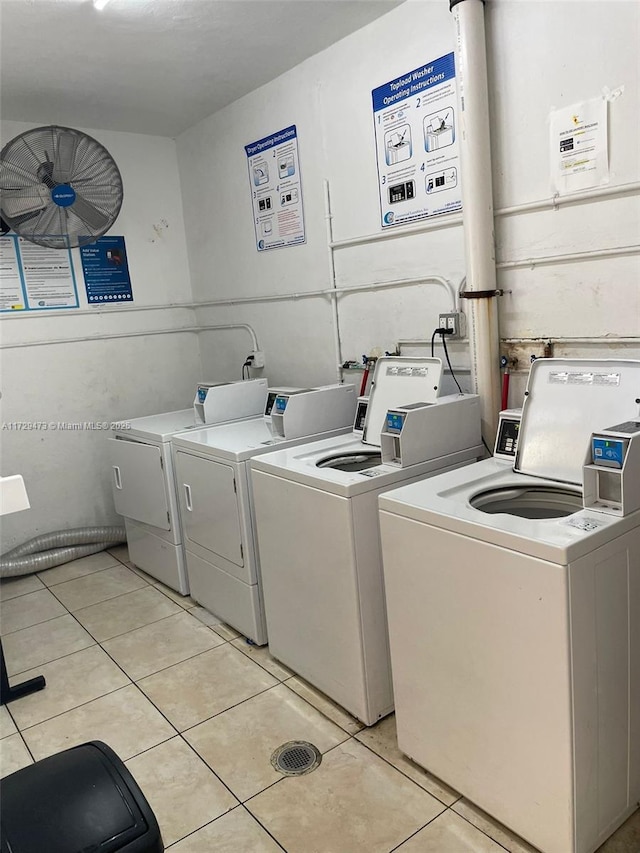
x: 296, y: 758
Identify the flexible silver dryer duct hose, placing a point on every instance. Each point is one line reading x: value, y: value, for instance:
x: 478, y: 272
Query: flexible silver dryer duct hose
x: 54, y: 549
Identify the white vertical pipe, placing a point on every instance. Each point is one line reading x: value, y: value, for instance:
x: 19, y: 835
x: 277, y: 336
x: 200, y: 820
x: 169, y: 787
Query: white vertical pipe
x: 333, y: 296
x: 477, y: 204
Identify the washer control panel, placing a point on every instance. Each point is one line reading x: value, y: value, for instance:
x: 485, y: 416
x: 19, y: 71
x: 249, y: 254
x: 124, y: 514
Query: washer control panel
x: 361, y: 415
x: 507, y: 436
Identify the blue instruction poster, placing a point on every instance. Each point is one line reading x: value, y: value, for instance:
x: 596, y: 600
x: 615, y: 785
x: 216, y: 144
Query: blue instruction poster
x: 276, y: 190
x: 416, y: 132
x: 106, y: 271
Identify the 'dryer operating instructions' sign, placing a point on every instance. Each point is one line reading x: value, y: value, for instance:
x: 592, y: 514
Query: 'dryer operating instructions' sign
x: 276, y: 190
x: 415, y: 120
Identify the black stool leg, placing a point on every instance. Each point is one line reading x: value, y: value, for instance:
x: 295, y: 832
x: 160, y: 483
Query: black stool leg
x: 8, y: 693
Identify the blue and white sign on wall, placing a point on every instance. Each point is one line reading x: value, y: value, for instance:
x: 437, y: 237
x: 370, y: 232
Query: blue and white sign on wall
x: 416, y: 127
x: 35, y: 278
x: 276, y: 190
x: 106, y: 271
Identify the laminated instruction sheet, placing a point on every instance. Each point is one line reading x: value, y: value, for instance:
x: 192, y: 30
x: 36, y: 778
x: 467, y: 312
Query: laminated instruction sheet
x: 415, y: 120
x: 276, y: 190
x: 35, y: 278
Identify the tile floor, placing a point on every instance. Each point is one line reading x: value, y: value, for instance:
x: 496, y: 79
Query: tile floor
x: 196, y: 712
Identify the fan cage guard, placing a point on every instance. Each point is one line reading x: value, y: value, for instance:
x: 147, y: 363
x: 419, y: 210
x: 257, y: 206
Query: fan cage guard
x: 70, y: 164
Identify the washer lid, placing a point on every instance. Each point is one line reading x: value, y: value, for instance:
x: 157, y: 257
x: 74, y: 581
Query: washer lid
x: 566, y: 400
x: 399, y: 381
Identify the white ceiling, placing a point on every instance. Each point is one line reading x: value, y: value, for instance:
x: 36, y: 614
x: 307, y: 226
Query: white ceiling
x: 157, y: 66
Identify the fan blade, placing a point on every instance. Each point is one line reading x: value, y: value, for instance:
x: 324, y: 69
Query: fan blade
x: 41, y: 227
x: 9, y: 172
x: 17, y: 202
x: 89, y: 214
x: 65, y: 158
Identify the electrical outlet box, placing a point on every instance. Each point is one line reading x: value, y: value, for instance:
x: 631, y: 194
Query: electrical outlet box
x: 258, y: 358
x: 453, y: 321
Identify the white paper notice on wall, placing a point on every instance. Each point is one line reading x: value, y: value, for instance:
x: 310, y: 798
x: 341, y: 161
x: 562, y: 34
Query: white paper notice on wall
x: 579, y: 156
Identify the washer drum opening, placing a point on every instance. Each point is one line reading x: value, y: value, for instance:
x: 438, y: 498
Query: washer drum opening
x: 529, y: 501
x: 352, y: 461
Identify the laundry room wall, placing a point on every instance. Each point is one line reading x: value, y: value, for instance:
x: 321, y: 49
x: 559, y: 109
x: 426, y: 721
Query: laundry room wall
x: 541, y: 56
x: 328, y: 98
x: 102, y: 378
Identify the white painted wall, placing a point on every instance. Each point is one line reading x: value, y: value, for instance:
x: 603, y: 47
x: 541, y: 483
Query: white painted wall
x: 66, y: 472
x: 328, y: 97
x: 545, y: 56
x: 542, y: 55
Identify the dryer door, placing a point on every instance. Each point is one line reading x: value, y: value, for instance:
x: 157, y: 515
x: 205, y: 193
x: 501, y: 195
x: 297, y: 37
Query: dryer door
x: 209, y: 506
x: 138, y: 482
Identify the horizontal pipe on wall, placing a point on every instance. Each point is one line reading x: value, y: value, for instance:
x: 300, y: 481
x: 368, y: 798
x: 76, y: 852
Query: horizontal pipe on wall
x: 184, y: 330
x: 449, y: 220
x: 568, y: 257
x: 563, y: 200
x: 356, y: 288
x: 554, y: 340
x: 97, y: 310
x: 426, y: 342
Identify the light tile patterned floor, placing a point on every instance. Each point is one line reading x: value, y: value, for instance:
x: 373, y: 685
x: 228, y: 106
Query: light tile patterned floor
x: 196, y: 713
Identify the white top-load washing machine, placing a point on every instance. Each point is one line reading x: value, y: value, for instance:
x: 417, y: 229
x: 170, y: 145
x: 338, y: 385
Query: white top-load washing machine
x: 143, y: 484
x: 317, y: 523
x: 514, y: 614
x: 216, y: 505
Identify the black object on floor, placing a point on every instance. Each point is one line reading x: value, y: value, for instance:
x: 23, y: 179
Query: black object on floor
x: 8, y: 693
x: 80, y: 800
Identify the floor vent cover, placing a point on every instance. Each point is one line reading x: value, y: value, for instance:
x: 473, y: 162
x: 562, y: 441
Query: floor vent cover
x: 296, y: 758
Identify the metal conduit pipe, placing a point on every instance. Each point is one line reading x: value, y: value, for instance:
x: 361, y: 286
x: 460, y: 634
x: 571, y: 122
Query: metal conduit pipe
x: 355, y: 288
x: 575, y: 198
x: 603, y: 340
x: 84, y: 338
x: 335, y: 316
x: 569, y: 257
x: 477, y: 205
x: 100, y: 310
x: 245, y: 326
x: 53, y: 549
x: 446, y: 220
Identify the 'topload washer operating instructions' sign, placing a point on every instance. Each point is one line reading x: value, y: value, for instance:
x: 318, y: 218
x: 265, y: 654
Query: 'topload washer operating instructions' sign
x: 276, y: 190
x: 415, y: 120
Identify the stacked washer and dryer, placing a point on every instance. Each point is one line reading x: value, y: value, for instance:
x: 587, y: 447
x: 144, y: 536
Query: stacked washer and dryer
x: 317, y: 522
x: 513, y: 599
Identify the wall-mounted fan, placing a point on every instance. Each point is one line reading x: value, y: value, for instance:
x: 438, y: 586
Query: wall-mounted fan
x: 59, y: 187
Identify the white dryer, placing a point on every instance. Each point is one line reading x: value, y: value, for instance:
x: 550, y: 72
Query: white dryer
x: 514, y: 617
x: 143, y: 484
x: 215, y: 498
x: 317, y: 522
